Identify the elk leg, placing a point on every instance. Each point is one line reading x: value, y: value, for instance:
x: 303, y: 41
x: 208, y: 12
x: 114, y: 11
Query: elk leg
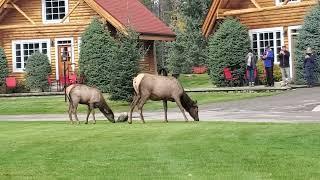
x: 70, y: 113
x: 133, y: 105
x: 165, y: 107
x: 88, y: 114
x: 93, y: 113
x: 181, y: 108
x: 140, y: 107
x: 75, y: 108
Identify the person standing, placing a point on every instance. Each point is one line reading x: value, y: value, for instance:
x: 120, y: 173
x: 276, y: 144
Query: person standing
x: 268, y: 59
x: 309, y: 64
x: 284, y: 65
x: 251, y: 61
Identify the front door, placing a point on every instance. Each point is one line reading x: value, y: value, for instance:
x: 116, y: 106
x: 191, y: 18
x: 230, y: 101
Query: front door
x: 64, y: 56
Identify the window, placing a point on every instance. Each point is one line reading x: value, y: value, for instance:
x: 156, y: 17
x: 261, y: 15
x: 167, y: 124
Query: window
x: 279, y: 2
x: 54, y: 10
x: 261, y: 38
x: 23, y: 49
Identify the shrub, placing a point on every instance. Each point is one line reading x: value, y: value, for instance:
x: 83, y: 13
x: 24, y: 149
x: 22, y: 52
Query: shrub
x: 309, y: 36
x: 37, y: 70
x: 98, y: 49
x: 125, y: 67
x: 227, y: 48
x: 261, y: 73
x: 3, y: 67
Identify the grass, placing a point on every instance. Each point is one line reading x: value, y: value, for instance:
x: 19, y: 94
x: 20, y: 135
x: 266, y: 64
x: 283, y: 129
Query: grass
x: 55, y: 150
x: 56, y: 104
x: 195, y: 81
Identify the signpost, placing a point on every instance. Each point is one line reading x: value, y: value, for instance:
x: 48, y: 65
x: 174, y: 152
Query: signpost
x: 64, y: 60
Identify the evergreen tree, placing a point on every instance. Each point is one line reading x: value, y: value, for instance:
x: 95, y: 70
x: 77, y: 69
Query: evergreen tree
x: 37, y: 70
x: 3, y: 67
x: 125, y: 67
x: 227, y: 48
x: 309, y: 36
x: 98, y: 49
x: 190, y: 46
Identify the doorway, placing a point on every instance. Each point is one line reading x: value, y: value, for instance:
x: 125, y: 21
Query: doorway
x: 293, y: 32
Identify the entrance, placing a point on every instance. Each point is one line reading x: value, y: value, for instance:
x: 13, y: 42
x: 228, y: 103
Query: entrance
x: 293, y: 35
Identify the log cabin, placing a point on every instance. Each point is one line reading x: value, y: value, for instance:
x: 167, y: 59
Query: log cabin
x: 271, y: 23
x: 54, y: 27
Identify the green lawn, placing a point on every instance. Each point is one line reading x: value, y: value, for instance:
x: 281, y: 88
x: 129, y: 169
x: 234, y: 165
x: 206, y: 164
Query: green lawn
x: 195, y: 80
x: 56, y: 104
x: 177, y: 150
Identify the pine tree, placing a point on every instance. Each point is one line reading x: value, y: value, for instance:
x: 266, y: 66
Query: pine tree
x: 125, y: 67
x: 309, y: 36
x: 3, y: 67
x: 227, y: 48
x: 37, y: 70
x: 98, y: 49
x: 190, y: 46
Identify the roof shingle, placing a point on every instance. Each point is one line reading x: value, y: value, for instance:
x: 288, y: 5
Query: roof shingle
x: 131, y: 13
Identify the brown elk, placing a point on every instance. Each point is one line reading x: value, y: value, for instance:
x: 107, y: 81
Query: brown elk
x: 157, y: 88
x: 92, y: 97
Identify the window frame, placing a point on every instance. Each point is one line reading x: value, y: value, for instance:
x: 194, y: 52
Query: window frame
x: 278, y: 3
x: 44, y: 16
x: 21, y: 42
x: 268, y: 30
x: 56, y: 40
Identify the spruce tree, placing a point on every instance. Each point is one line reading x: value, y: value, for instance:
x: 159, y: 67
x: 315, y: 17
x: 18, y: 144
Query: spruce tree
x: 309, y: 36
x: 3, y: 67
x: 125, y: 67
x: 37, y: 70
x: 98, y: 49
x: 227, y: 48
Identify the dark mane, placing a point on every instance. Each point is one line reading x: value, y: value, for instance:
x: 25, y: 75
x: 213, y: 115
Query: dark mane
x: 186, y: 102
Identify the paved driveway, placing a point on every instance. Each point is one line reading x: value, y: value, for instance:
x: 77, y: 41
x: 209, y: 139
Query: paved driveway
x: 300, y: 105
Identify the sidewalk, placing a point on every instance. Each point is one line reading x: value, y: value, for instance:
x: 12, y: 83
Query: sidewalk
x: 209, y: 89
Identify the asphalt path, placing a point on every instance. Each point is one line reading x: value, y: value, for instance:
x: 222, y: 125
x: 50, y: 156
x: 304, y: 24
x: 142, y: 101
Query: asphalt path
x: 293, y: 106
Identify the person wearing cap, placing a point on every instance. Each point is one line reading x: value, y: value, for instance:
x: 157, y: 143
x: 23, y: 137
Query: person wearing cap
x: 284, y: 56
x: 268, y: 59
x: 308, y: 65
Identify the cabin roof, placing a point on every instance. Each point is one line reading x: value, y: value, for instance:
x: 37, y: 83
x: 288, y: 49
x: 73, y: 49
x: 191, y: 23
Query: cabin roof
x: 220, y: 9
x: 133, y: 14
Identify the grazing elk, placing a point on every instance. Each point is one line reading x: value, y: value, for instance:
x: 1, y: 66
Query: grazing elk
x: 92, y: 97
x: 157, y: 88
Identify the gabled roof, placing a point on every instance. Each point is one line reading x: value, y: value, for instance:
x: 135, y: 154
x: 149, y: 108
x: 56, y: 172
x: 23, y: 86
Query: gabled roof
x: 131, y: 13
x: 223, y: 8
x: 124, y: 14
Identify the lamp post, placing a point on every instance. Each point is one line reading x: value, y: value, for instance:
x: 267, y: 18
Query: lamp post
x: 64, y: 60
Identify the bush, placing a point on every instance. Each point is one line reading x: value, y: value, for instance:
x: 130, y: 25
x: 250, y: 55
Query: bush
x: 98, y: 49
x: 309, y: 36
x: 3, y: 67
x: 37, y: 70
x: 261, y: 73
x: 228, y: 47
x: 125, y: 67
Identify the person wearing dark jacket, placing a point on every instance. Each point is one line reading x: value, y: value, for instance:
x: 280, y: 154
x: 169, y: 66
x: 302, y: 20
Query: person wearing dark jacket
x: 284, y: 65
x: 309, y: 65
x: 251, y: 61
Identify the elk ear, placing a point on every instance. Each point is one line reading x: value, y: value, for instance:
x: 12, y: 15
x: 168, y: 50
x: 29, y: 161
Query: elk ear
x: 196, y: 102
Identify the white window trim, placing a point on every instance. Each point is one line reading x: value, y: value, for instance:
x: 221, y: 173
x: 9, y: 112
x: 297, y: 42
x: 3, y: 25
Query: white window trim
x: 45, y: 21
x: 290, y: 28
x: 278, y: 3
x: 57, y: 53
x: 251, y: 31
x: 14, y: 68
